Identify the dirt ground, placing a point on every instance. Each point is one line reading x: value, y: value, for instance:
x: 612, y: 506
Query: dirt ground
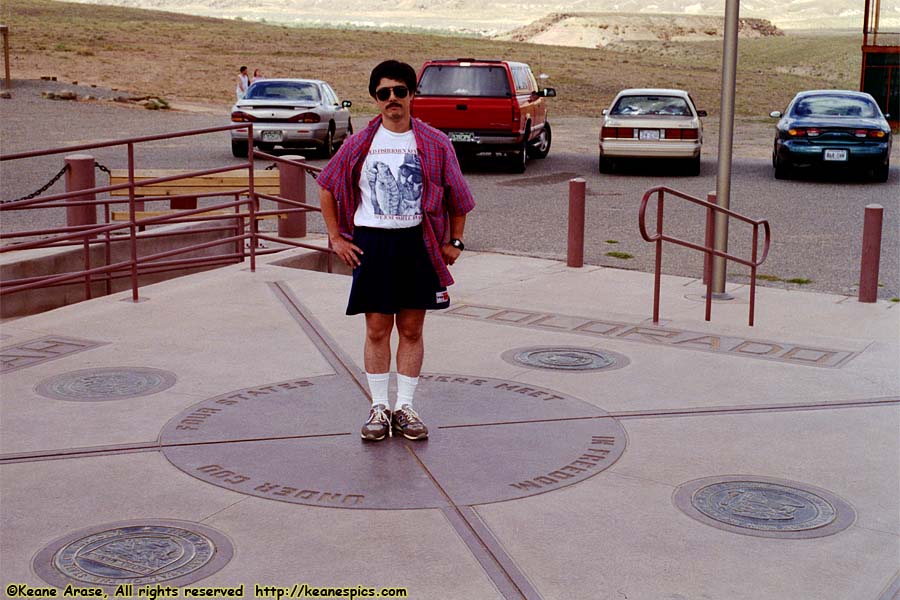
x: 189, y: 59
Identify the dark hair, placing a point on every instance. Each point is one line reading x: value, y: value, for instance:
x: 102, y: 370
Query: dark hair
x: 243, y: 69
x: 392, y: 69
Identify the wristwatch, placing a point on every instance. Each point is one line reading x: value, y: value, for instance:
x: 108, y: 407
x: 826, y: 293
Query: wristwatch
x: 458, y: 244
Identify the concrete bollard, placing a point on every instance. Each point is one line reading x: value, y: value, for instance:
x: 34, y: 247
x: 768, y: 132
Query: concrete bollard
x: 181, y: 204
x: 871, y: 253
x: 80, y: 176
x: 575, y: 248
x: 293, y: 187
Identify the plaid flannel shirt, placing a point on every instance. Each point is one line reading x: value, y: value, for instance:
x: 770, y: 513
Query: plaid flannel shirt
x: 444, y: 190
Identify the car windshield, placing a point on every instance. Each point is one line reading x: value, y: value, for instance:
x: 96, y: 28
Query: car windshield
x: 283, y: 90
x: 835, y: 106
x: 651, y: 105
x: 464, y: 81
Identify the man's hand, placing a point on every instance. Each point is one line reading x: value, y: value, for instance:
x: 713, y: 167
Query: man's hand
x: 346, y: 250
x: 450, y: 253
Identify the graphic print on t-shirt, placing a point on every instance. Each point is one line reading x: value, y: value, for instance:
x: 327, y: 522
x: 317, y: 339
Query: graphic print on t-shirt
x: 391, y: 182
x: 396, y: 196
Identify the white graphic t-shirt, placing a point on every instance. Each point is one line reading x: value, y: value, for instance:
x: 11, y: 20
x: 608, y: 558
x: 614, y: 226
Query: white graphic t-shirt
x: 390, y: 183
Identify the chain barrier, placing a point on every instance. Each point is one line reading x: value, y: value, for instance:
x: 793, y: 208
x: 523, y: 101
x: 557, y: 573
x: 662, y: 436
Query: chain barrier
x: 103, y: 168
x: 311, y: 172
x: 43, y: 189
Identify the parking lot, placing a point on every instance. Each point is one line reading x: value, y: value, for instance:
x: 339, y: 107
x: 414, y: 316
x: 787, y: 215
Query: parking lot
x: 816, y: 221
x: 216, y: 419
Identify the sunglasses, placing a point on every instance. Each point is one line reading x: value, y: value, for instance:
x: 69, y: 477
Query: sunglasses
x: 400, y: 91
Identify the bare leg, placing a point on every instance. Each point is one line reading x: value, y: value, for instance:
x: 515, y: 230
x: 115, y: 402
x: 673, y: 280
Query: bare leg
x: 411, y: 348
x: 378, y: 342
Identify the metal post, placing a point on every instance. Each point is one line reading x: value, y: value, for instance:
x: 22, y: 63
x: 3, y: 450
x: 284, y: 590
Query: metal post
x: 875, y: 24
x: 657, y: 268
x: 871, y: 253
x: 292, y: 185
x: 575, y: 248
x: 862, y: 66
x: 132, y: 229
x: 80, y: 176
x: 726, y: 134
x: 710, y: 237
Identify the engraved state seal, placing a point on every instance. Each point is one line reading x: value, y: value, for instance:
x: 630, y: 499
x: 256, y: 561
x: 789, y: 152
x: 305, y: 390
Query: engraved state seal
x: 764, y: 507
x: 141, y: 553
x: 136, y: 554
x: 113, y: 383
x: 757, y: 505
x: 565, y: 358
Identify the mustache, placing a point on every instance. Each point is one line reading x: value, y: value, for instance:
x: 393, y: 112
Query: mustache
x: 397, y: 104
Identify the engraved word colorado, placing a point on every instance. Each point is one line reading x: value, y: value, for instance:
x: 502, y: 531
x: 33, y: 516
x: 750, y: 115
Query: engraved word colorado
x: 797, y: 354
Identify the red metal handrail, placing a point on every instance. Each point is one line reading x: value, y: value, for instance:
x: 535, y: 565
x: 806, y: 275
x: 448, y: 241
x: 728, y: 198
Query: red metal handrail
x: 659, y: 237
x: 90, y: 235
x: 301, y: 207
x: 131, y: 140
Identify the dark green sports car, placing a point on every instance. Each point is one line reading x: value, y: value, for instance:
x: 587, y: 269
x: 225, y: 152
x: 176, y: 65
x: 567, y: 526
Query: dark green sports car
x: 833, y: 129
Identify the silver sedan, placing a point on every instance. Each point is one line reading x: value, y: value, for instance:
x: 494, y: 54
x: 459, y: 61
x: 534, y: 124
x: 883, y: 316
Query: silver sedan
x: 291, y: 113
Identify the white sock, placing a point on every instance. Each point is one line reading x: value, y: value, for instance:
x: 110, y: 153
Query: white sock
x: 406, y: 389
x: 378, y: 387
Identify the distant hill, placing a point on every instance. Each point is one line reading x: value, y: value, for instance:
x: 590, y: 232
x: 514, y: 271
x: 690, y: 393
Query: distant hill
x: 193, y: 59
x: 493, y: 18
x: 597, y: 30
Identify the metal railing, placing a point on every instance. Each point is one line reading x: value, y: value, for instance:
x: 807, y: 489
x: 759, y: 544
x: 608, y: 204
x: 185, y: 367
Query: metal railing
x: 659, y: 237
x: 299, y: 206
x: 241, y: 223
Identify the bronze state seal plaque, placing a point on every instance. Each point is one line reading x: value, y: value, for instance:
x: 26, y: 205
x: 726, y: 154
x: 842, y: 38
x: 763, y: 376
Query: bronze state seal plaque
x: 137, y: 552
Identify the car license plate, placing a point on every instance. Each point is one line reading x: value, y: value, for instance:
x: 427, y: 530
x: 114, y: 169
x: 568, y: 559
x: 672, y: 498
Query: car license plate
x: 833, y: 154
x: 462, y: 136
x: 649, y: 134
x: 272, y: 135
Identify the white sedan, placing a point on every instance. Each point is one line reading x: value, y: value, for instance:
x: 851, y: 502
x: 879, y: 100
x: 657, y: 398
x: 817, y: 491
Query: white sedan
x: 651, y: 123
x: 291, y: 113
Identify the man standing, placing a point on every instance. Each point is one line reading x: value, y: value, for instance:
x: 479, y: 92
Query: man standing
x: 243, y: 82
x: 395, y: 203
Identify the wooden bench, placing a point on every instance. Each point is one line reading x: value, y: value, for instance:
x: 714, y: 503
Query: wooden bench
x: 265, y: 182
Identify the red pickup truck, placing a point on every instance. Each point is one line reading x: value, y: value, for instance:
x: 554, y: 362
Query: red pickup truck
x: 485, y: 106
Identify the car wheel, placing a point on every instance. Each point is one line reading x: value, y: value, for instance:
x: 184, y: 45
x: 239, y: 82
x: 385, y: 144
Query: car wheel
x: 881, y: 173
x: 693, y: 166
x: 519, y: 158
x: 541, y: 146
x: 239, y: 149
x: 782, y: 169
x: 328, y: 144
x: 465, y: 158
x: 606, y: 165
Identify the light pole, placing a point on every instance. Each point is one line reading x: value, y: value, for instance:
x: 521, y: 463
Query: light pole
x: 726, y: 135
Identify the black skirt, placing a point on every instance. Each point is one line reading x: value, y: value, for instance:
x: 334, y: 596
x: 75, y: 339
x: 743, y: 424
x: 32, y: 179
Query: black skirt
x: 395, y: 273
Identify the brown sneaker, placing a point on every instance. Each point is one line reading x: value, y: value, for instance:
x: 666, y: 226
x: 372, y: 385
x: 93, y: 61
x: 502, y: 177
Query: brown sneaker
x: 378, y: 425
x: 406, y: 422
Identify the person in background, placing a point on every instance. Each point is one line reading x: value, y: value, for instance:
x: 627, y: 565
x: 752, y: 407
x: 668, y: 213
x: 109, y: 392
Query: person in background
x: 257, y: 75
x: 243, y: 81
